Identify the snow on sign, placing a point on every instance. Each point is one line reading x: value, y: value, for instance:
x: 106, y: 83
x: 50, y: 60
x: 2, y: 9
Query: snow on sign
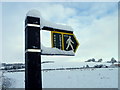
x: 64, y: 41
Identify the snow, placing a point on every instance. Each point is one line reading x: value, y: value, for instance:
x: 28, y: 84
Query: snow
x: 55, y: 51
x: 98, y: 78
x: 33, y: 13
x: 71, y: 64
x: 55, y: 26
x: 80, y: 78
x: 0, y: 80
x: 0, y: 76
x: 86, y: 78
x: 17, y: 79
x: 43, y: 22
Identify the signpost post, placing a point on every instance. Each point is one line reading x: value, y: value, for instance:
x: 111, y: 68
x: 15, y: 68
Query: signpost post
x: 32, y: 53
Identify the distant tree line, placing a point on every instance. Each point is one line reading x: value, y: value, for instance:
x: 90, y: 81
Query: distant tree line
x: 113, y: 60
x: 93, y: 60
x: 12, y: 66
x: 6, y: 66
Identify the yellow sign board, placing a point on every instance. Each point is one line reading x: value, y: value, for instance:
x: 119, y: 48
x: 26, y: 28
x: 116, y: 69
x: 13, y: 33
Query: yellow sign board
x: 64, y: 41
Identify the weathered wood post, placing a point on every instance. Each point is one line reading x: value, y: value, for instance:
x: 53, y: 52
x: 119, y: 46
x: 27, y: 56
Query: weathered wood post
x: 33, y: 77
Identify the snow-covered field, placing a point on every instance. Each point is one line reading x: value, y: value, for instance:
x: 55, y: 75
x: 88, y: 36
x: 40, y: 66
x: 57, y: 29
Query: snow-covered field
x: 86, y: 78
x: 16, y: 78
x: 0, y: 80
x: 81, y: 78
x: 71, y: 64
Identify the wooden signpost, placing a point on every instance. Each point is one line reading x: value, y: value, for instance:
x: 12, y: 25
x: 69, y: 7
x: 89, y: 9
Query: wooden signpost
x: 32, y: 53
x: 61, y: 38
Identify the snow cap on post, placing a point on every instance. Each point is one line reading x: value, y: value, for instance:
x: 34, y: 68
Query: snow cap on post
x: 33, y: 18
x: 33, y: 13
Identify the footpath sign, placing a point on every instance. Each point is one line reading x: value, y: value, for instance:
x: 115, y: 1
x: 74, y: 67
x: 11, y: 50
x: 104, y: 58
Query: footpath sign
x: 64, y: 41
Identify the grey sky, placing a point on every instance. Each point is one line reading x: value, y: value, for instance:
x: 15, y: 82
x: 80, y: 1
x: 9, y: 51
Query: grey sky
x: 95, y: 26
x: 1, y: 32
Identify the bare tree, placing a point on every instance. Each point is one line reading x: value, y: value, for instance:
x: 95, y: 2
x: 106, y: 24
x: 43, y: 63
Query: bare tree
x: 99, y: 60
x: 6, y: 82
x: 113, y: 60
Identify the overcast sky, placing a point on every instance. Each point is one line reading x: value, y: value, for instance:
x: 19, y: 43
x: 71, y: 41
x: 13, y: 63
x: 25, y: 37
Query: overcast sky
x: 95, y: 25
